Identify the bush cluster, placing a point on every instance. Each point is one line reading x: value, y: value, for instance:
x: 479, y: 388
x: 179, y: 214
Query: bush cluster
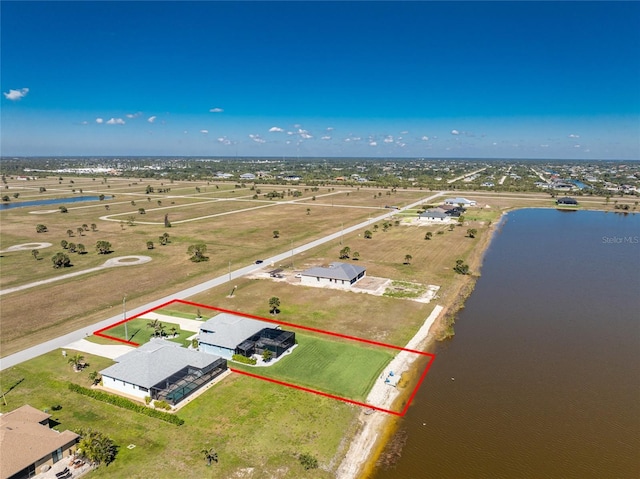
x: 239, y: 358
x: 161, y: 405
x: 126, y: 404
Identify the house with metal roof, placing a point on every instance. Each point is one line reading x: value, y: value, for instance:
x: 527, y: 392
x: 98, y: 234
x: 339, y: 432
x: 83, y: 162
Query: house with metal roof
x: 435, y: 215
x: 28, y: 445
x: 162, y: 370
x: 341, y: 275
x: 459, y: 202
x: 228, y: 334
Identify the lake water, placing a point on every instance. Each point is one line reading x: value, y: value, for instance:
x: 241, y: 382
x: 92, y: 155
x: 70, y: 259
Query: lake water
x: 52, y: 201
x: 542, y: 379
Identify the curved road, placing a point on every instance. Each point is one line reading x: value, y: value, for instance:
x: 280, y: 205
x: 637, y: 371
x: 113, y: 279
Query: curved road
x: 62, y: 341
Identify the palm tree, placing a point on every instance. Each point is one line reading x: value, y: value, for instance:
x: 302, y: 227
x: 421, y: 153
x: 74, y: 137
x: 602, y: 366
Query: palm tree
x: 407, y: 258
x: 344, y: 252
x: 41, y: 228
x: 94, y: 227
x: 149, y: 244
x: 355, y: 255
x: 81, y: 249
x: 471, y: 233
x: 77, y: 361
x: 368, y: 234
x: 308, y: 211
x: 95, y: 377
x: 70, y: 233
x: 197, y: 252
x: 210, y: 455
x: 274, y: 304
x: 428, y: 235
x: 35, y: 253
x: 276, y: 234
x: 80, y: 230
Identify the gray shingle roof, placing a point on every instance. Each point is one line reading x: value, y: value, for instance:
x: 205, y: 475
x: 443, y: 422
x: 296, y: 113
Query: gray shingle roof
x: 154, y: 361
x: 335, y: 270
x: 229, y: 330
x: 433, y: 214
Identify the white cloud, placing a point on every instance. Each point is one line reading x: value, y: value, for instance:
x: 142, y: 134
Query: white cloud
x: 257, y: 138
x: 133, y: 115
x: 306, y: 136
x: 275, y: 129
x: 373, y: 143
x: 99, y: 121
x: 115, y: 121
x: 204, y: 132
x: 151, y: 119
x: 388, y: 139
x: 15, y: 95
x: 572, y: 135
x: 224, y: 140
x: 541, y: 146
x: 85, y: 122
x: 425, y: 138
x: 326, y: 137
x: 216, y: 110
x: 405, y: 132
x: 455, y: 132
x: 576, y: 146
x: 330, y: 128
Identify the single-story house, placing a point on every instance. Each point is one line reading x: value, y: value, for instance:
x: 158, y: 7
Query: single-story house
x: 228, y: 334
x: 27, y: 443
x: 336, y: 274
x: 434, y: 215
x: 162, y: 370
x: 247, y: 176
x: 566, y: 200
x: 460, y: 202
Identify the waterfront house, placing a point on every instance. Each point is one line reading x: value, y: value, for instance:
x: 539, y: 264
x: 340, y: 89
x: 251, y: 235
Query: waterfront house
x: 567, y: 201
x: 337, y: 274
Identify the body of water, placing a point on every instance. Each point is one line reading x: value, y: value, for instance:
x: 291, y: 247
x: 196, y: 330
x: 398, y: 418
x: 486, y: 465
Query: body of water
x: 542, y: 379
x: 52, y: 201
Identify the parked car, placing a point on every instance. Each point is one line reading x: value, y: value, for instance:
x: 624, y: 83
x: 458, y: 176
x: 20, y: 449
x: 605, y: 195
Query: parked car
x: 259, y: 261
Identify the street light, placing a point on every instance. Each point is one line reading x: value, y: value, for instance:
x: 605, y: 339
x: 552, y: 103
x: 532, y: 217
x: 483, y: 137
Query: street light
x: 124, y: 317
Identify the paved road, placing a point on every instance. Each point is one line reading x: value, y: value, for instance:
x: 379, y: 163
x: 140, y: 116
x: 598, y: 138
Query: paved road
x: 62, y: 341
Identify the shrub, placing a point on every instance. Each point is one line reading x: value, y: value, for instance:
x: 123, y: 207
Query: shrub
x: 161, y: 405
x: 308, y: 461
x: 239, y: 358
x: 126, y: 404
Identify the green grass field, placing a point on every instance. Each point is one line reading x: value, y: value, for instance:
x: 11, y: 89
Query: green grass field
x: 342, y: 368
x: 250, y: 424
x: 139, y: 331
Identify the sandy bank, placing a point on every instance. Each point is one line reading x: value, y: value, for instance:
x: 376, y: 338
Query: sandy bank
x: 383, y: 396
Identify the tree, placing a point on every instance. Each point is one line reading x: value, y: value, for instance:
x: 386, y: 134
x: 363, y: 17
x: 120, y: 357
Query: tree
x: 210, y: 455
x: 85, y: 227
x: 197, y: 252
x: 42, y: 189
x: 71, y: 247
x: 368, y: 234
x: 267, y: 355
x: 77, y: 361
x: 131, y: 220
x: 106, y: 207
x: 308, y: 211
x: 141, y: 211
x: 60, y: 260
x: 451, y: 227
x: 95, y: 378
x: 460, y: 267
x: 6, y: 198
x: 274, y: 305
x: 355, y: 256
x: 428, y: 235
x: 149, y: 244
x: 63, y: 209
x: 35, y: 253
x: 94, y: 226
x: 70, y: 233
x: 167, y: 224
x: 80, y: 248
x: 133, y: 203
x: 407, y: 258
x: 64, y: 244
x: 103, y: 247
x: 276, y: 234
x: 96, y: 447
x: 471, y: 233
x: 308, y: 461
x: 80, y: 230
x: 158, y: 327
x: 149, y: 189
x: 41, y: 229
x: 101, y: 197
x: 344, y: 252
x: 16, y: 195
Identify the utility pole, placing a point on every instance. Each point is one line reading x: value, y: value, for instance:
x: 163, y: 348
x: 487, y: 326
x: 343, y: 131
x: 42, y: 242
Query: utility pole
x: 124, y: 317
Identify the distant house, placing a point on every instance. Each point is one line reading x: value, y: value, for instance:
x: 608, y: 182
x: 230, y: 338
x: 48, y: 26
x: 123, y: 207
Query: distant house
x: 228, y: 334
x: 434, y: 215
x: 162, y: 370
x: 565, y: 200
x: 27, y: 443
x: 247, y: 176
x: 460, y: 202
x: 336, y: 274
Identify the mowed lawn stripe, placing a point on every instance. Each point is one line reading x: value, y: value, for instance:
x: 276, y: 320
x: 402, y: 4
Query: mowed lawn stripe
x: 345, y: 369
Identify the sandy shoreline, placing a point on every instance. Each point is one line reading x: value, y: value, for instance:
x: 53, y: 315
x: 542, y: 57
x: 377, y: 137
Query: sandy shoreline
x: 383, y: 396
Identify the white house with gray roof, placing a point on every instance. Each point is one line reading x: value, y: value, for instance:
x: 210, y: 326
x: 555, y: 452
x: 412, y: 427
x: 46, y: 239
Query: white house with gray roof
x: 435, y: 215
x: 223, y: 333
x: 162, y: 370
x: 341, y: 275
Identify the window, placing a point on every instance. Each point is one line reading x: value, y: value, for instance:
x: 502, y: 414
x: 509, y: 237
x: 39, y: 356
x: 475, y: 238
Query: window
x: 56, y: 455
x: 143, y: 389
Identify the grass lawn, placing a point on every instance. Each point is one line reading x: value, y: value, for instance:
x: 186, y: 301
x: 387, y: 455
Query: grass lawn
x: 250, y: 423
x: 139, y: 331
x: 343, y: 368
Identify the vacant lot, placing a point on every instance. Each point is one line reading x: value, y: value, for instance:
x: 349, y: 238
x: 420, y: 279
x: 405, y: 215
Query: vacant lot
x: 342, y: 368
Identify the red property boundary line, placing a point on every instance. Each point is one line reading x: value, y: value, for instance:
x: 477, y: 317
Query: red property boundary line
x: 431, y: 356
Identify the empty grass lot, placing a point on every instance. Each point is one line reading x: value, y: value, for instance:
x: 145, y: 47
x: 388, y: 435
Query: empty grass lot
x: 139, y: 331
x: 342, y: 368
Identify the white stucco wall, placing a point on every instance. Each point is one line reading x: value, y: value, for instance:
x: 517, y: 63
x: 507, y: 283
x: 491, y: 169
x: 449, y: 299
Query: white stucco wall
x: 217, y: 350
x: 123, y: 387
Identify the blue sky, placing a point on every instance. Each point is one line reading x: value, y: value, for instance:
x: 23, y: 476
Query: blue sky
x: 379, y: 79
